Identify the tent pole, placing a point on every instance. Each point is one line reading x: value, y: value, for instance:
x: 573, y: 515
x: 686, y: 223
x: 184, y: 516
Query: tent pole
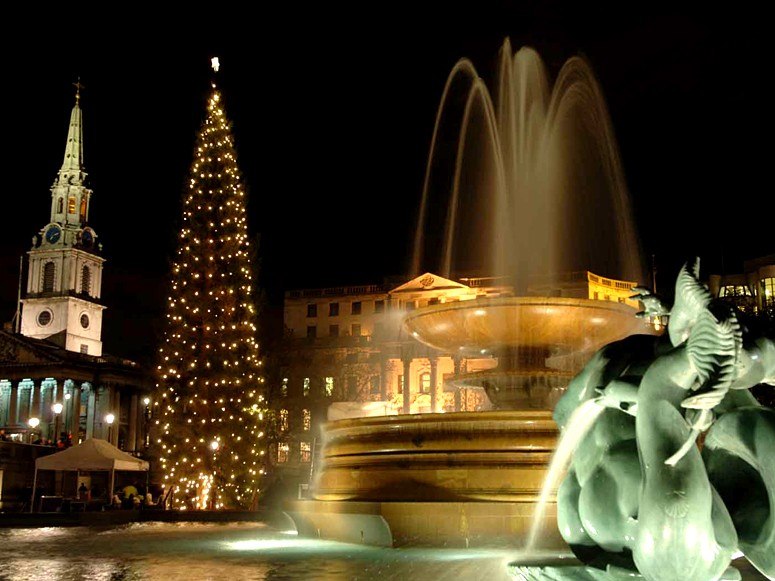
x: 112, y: 484
x: 34, y: 486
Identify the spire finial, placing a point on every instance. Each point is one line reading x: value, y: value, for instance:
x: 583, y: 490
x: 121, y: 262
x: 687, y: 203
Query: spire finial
x: 78, y: 86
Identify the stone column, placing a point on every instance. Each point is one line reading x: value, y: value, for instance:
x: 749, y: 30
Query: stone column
x: 75, y: 419
x: 435, y: 395
x: 456, y: 361
x: 383, y: 378
x: 132, y: 435
x: 13, y: 405
x: 46, y: 413
x: 116, y: 411
x: 407, y: 389
x: 35, y: 406
x: 91, y: 406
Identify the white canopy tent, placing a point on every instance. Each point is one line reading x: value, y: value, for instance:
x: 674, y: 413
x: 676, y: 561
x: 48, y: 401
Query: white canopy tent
x: 89, y: 456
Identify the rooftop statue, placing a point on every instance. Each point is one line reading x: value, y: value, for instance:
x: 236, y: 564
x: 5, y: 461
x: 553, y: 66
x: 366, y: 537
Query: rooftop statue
x: 677, y: 475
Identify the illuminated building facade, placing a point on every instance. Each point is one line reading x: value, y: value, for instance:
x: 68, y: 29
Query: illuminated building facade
x: 752, y: 291
x: 346, y: 354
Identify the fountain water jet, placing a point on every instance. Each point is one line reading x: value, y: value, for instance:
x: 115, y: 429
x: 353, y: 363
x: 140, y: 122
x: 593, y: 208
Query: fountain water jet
x: 579, y: 423
x: 540, y: 164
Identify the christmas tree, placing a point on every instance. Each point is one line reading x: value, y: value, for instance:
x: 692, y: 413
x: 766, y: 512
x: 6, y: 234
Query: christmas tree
x: 210, y: 439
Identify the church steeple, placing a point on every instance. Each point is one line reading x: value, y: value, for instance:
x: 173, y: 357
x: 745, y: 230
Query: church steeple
x: 72, y: 164
x: 64, y: 276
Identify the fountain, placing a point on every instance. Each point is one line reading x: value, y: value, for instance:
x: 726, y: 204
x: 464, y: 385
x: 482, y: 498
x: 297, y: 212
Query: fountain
x: 536, y: 193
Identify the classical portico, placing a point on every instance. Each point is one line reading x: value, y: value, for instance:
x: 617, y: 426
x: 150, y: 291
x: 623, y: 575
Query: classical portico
x: 36, y: 374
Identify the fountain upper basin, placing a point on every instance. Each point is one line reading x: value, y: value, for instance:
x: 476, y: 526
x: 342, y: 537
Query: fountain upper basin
x: 551, y: 325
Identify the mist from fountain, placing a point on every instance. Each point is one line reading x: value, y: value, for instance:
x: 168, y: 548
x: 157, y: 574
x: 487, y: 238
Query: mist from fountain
x: 528, y: 177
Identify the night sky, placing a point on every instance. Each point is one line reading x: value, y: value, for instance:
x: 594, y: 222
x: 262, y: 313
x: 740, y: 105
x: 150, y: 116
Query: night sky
x: 333, y: 110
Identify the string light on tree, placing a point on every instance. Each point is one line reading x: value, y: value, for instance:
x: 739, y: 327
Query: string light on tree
x: 210, y: 437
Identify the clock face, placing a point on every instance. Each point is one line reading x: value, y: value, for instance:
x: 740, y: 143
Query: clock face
x: 85, y: 321
x: 53, y: 234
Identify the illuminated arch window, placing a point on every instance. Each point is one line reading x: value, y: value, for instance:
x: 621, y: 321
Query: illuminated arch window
x: 71, y: 205
x: 86, y: 280
x: 306, y: 420
x: 283, y: 419
x: 49, y: 273
x: 83, y: 209
x: 425, y: 383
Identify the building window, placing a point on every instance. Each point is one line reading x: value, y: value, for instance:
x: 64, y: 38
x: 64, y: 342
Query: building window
x: 768, y: 295
x: 305, y: 389
x: 312, y: 331
x: 83, y: 209
x: 284, y: 387
x: 333, y: 330
x: 379, y: 307
x: 86, y: 280
x: 283, y: 420
x: 333, y: 309
x: 306, y: 420
x: 329, y: 386
x: 44, y: 318
x: 425, y: 383
x: 433, y: 301
x: 49, y: 271
x: 312, y: 310
x: 85, y: 349
x: 374, y: 385
x: 356, y: 308
x: 60, y: 205
x: 283, y: 453
x: 355, y: 330
x: 738, y: 295
x: 305, y: 452
x: 71, y: 205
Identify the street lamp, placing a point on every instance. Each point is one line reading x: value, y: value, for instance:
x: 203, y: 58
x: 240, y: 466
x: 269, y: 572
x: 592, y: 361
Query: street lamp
x: 147, y: 418
x: 57, y: 409
x: 32, y: 423
x: 110, y: 418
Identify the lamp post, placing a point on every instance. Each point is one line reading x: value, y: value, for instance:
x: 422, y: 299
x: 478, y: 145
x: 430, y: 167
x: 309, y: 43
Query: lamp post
x: 57, y: 409
x: 32, y: 423
x: 147, y: 418
x: 109, y: 418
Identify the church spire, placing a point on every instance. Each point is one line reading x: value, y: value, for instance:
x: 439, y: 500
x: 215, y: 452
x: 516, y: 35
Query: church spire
x: 69, y: 194
x: 72, y: 172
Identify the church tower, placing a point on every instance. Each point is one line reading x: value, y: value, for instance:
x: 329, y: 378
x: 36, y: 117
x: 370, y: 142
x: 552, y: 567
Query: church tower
x: 64, y: 276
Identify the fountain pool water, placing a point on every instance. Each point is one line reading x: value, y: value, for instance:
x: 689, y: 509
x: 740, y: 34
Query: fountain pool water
x: 166, y: 551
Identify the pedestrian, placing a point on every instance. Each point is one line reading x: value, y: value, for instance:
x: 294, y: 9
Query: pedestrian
x: 83, y: 492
